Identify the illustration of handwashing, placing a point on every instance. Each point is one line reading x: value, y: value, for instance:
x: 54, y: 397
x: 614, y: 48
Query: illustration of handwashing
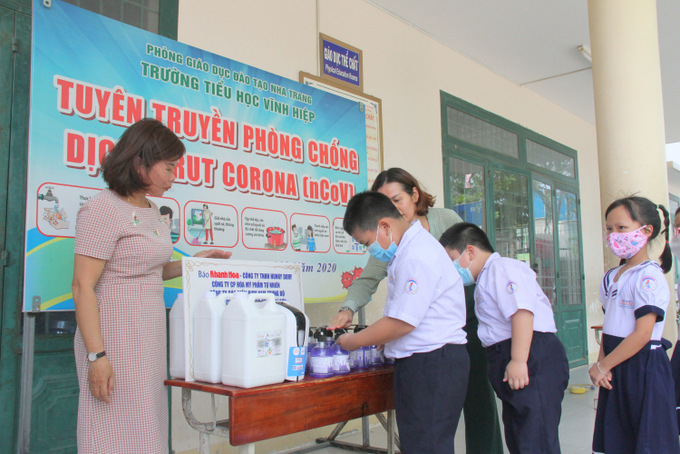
x: 55, y: 216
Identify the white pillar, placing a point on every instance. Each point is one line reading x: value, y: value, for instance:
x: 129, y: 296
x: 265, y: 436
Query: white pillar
x: 629, y: 110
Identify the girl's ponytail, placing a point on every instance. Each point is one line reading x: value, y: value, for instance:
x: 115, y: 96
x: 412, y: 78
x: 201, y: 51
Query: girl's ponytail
x: 666, y: 256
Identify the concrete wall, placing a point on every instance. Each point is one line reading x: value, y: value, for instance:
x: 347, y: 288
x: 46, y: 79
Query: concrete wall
x: 406, y: 69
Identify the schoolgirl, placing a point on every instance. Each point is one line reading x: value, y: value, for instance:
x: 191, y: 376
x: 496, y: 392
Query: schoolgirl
x: 636, y: 405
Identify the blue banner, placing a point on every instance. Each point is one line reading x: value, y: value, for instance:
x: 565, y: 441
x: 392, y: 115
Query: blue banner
x: 270, y: 162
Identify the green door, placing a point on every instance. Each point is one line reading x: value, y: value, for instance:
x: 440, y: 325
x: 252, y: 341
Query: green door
x: 54, y: 399
x: 558, y: 263
x: 526, y: 218
x: 54, y: 388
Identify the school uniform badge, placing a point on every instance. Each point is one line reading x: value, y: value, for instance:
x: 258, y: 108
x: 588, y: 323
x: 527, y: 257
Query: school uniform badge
x: 411, y: 286
x: 648, y: 283
x: 511, y: 287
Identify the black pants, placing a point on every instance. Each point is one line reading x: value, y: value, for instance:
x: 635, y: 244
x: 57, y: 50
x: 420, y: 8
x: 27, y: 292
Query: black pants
x: 429, y: 391
x: 482, y: 427
x: 531, y: 415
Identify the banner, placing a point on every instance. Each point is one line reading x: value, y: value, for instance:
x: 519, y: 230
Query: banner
x: 270, y: 162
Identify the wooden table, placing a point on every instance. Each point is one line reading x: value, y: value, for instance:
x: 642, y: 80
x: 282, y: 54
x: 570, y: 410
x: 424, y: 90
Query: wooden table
x: 270, y: 411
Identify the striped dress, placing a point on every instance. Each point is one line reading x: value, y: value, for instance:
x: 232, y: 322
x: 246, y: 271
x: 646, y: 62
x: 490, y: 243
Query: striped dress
x: 135, y: 243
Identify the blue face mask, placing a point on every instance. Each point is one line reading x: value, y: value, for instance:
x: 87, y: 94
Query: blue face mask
x: 465, y: 273
x: 377, y: 251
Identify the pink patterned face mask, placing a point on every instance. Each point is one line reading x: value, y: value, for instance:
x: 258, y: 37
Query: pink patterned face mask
x: 626, y: 244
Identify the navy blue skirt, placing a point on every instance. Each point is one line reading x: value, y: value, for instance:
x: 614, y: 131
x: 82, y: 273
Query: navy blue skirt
x: 638, y: 414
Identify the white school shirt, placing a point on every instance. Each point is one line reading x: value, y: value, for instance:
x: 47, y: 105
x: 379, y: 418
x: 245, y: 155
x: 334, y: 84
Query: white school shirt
x: 639, y: 291
x: 504, y: 286
x: 424, y: 290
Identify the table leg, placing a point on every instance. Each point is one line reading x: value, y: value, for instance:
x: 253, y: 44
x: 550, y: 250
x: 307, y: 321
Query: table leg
x: 219, y: 428
x: 390, y: 432
x: 247, y: 449
x: 203, y: 443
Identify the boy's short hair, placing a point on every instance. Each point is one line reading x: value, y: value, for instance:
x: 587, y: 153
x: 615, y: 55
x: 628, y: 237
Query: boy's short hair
x: 165, y: 210
x: 465, y: 234
x: 366, y: 209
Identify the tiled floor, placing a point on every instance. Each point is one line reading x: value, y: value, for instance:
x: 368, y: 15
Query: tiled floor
x: 576, y: 427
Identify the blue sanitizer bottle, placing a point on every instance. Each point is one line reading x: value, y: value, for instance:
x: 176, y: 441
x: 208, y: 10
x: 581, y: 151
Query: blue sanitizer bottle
x: 357, y: 357
x: 330, y: 340
x: 321, y: 359
x: 376, y: 357
x: 310, y: 345
x: 340, y: 356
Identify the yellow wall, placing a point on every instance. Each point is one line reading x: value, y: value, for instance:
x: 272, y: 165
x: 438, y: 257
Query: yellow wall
x: 406, y: 69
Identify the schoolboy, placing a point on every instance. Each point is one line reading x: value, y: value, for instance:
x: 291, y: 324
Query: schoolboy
x: 528, y: 367
x: 422, y: 324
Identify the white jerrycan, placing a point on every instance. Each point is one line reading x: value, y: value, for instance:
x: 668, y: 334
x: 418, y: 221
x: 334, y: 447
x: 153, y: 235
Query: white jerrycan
x: 176, y: 336
x: 253, y: 331
x: 208, y: 337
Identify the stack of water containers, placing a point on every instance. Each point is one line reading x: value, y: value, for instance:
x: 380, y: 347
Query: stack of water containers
x: 241, y: 340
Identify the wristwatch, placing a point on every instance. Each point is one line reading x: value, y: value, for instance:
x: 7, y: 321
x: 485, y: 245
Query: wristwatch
x: 92, y: 357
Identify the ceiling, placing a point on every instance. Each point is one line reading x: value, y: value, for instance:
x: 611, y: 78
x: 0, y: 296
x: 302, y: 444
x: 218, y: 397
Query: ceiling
x: 533, y: 43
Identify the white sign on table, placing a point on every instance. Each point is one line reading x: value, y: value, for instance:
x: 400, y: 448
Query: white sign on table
x: 199, y: 275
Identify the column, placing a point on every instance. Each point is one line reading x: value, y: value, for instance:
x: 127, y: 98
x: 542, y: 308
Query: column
x: 629, y: 110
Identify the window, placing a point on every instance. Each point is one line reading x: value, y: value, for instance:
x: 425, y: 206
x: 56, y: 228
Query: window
x: 466, y: 181
x: 550, y: 159
x: 479, y: 132
x: 156, y: 16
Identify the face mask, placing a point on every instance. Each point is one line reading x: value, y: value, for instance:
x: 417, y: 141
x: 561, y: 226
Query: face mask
x: 626, y: 244
x: 465, y: 273
x: 675, y: 246
x: 377, y: 251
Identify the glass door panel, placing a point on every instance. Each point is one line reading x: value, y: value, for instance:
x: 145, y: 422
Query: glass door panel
x: 569, y: 252
x: 544, y: 262
x: 511, y: 215
x: 466, y: 183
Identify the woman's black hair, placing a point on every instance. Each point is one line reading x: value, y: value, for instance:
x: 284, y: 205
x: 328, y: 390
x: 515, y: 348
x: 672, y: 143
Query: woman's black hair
x: 142, y: 145
x: 408, y: 182
x: 646, y: 212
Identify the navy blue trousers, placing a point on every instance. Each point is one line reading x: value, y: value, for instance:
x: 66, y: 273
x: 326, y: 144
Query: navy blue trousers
x: 637, y: 416
x: 429, y: 391
x: 675, y: 367
x: 531, y: 415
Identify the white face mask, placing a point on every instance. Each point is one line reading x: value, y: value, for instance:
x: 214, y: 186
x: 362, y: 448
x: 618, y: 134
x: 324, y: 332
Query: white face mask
x: 675, y: 246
